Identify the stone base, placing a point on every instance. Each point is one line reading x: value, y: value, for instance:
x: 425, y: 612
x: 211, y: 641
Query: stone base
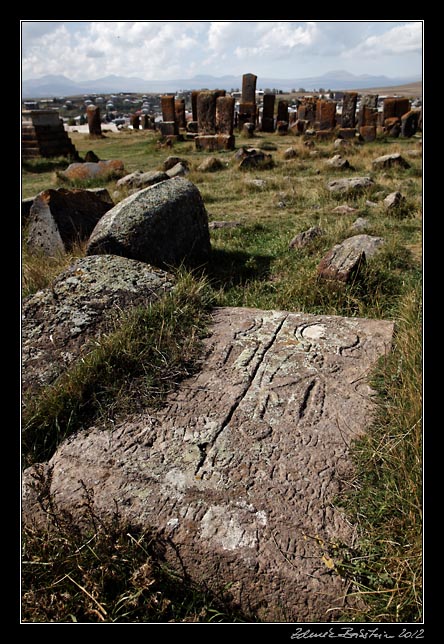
x: 168, y: 128
x: 214, y: 142
x: 347, y: 133
x: 325, y: 135
x: 368, y: 132
x: 192, y: 127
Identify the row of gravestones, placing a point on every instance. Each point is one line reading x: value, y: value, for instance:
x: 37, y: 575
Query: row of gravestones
x: 214, y: 117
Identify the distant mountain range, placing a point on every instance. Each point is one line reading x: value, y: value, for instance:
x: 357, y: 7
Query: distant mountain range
x: 57, y: 85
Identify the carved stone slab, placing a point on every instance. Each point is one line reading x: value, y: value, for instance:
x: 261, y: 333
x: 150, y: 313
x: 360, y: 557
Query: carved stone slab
x: 240, y: 468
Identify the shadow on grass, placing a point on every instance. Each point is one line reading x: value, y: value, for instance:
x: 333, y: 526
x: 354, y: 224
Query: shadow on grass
x: 233, y: 268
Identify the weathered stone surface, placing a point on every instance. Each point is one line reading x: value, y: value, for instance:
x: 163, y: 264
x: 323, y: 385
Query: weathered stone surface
x: 58, y: 321
x: 225, y: 115
x: 249, y: 88
x: 168, y: 107
x: 347, y: 186
x: 325, y: 115
x: 409, y: 123
x: 345, y: 260
x: 290, y: 153
x: 178, y: 170
x: 391, y: 161
x: 211, y: 164
x: 239, y: 470
x: 213, y: 225
x: 346, y: 133
x: 338, y: 162
x: 248, y: 130
x: 361, y: 223
x: 306, y: 237
x: 214, y: 142
x: 93, y: 118
x: 100, y: 170
x: 368, y: 132
x: 345, y: 209
x: 138, y: 180
x: 394, y: 200
x: 282, y: 110
x: 254, y: 158
x: 171, y: 161
x: 267, y: 122
x: 179, y: 108
x: 60, y: 218
x: 395, y: 107
x: 206, y: 113
x: 247, y: 114
x: 348, y: 116
x: 165, y: 224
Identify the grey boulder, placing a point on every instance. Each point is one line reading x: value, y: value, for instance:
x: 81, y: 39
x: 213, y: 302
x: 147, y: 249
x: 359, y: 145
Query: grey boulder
x: 165, y: 225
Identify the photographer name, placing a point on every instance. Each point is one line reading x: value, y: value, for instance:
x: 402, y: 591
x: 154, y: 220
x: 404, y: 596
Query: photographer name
x: 347, y: 632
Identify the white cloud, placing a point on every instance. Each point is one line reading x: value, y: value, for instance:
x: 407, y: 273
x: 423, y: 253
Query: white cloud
x: 403, y: 39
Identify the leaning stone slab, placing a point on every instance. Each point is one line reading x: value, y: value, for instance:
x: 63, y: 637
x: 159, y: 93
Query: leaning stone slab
x: 112, y: 168
x: 391, y: 161
x: 60, y: 218
x: 58, y: 321
x: 138, y: 180
x: 306, y: 237
x: 239, y: 470
x: 165, y: 225
x: 346, y: 259
x: 350, y: 186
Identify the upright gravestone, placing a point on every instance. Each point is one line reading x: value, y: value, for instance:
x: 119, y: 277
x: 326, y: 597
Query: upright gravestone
x: 206, y: 112
x: 267, y: 124
x: 135, y: 121
x: 169, y: 125
x: 282, y: 117
x: 93, y: 117
x: 307, y: 110
x: 249, y: 88
x: 325, y: 115
x: 179, y: 106
x: 247, y: 106
x: 348, y: 118
x: 225, y: 115
x: 395, y: 107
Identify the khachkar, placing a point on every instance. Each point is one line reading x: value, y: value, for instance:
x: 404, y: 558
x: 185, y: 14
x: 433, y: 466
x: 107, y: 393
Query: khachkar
x: 267, y: 123
x: 215, y: 114
x: 247, y: 106
x: 94, y: 124
x: 168, y: 126
x: 282, y: 118
x: 348, y: 116
x: 368, y: 117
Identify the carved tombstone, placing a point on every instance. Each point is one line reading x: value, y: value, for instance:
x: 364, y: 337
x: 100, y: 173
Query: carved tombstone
x: 325, y: 115
x: 206, y: 112
x: 179, y: 108
x: 249, y: 88
x: 349, y: 109
x: 225, y: 115
x: 268, y: 113
x: 93, y: 117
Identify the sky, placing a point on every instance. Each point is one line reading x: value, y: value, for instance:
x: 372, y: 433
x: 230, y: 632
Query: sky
x: 164, y: 50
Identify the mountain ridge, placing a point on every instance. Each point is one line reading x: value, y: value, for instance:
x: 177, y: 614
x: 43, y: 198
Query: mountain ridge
x: 60, y: 85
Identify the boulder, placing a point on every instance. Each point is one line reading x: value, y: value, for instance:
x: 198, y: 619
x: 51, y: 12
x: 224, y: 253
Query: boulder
x: 344, y: 209
x: 164, y: 225
x: 355, y: 185
x: 58, y: 321
x: 138, y: 180
x: 306, y: 237
x: 394, y: 200
x: 60, y: 218
x: 178, y: 170
x: 111, y: 169
x: 346, y: 259
x: 338, y: 162
x: 171, y: 161
x: 239, y: 470
x: 256, y: 159
x: 290, y: 153
x: 394, y: 160
x: 210, y: 164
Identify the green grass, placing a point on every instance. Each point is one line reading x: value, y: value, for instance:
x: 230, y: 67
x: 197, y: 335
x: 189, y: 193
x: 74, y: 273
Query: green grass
x: 252, y: 265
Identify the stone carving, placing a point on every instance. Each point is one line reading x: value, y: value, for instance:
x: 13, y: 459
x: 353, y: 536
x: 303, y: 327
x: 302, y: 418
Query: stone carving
x: 225, y: 115
x: 325, y: 115
x: 94, y: 124
x: 239, y: 469
x: 267, y: 123
x: 348, y: 116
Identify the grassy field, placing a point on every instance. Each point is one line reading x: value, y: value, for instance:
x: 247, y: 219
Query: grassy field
x: 252, y: 265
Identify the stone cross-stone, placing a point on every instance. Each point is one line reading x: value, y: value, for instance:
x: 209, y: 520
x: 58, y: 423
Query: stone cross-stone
x: 267, y: 124
x: 249, y: 88
x: 326, y: 114
x: 206, y: 112
x: 349, y: 102
x: 179, y: 106
x: 225, y: 115
x: 93, y: 117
